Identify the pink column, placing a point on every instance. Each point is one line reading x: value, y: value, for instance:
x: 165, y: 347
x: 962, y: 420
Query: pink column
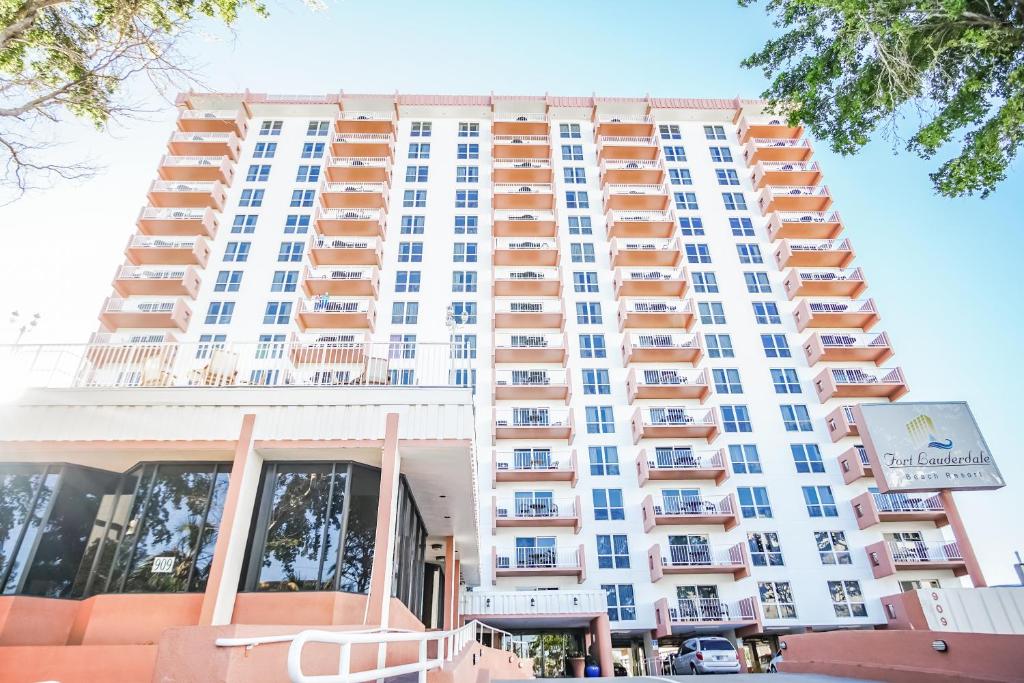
x: 384, y: 542
x: 451, y: 584
x: 603, y: 640
x: 963, y: 542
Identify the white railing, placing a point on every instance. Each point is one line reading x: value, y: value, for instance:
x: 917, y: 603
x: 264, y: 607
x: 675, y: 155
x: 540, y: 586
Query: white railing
x: 537, y: 558
x: 685, y: 458
x: 657, y: 306
x: 340, y: 273
x: 673, y: 416
x: 177, y: 160
x: 332, y: 304
x: 797, y: 190
x: 670, y: 377
x: 635, y: 190
x: 317, y: 242
x: 359, y: 162
x: 630, y: 165
x: 527, y: 273
x: 285, y: 363
x: 151, y: 273
x: 780, y: 142
x: 525, y: 244
x: 539, y: 418
x: 349, y: 214
x: 524, y: 215
x: 651, y: 244
x: 562, y: 601
x: 626, y: 118
x: 701, y: 555
x: 628, y: 140
x: 521, y: 117
x: 362, y: 138
x: 175, y: 214
x: 511, y: 305
x: 664, y: 341
x: 919, y: 551
x: 521, y: 139
x: 868, y: 376
x: 149, y: 242
x: 528, y: 340
x: 651, y: 274
x: 709, y: 609
x: 530, y: 378
x: 819, y: 245
x: 522, y: 163
x: 853, y: 340
x: 203, y: 137
x: 209, y: 114
x: 516, y: 188
x: 857, y: 306
x: 138, y: 305
x: 533, y: 460
x: 534, y: 508
x: 352, y: 188
x: 906, y: 502
x: 694, y: 506
x: 182, y: 186
x: 848, y: 275
x: 807, y: 216
x: 616, y: 216
x: 366, y: 116
x: 789, y: 165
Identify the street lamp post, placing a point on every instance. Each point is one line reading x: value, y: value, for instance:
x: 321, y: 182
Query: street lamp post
x: 26, y: 325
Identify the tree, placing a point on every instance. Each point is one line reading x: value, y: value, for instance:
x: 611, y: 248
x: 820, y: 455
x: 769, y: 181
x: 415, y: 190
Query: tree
x: 61, y: 57
x: 851, y: 68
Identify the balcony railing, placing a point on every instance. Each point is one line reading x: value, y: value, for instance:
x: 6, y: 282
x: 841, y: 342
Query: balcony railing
x: 644, y: 190
x: 522, y: 188
x: 859, y: 306
x: 912, y: 552
x: 868, y: 376
x: 183, y: 186
x: 363, y: 138
x: 542, y: 460
x: 528, y: 306
x: 780, y: 142
x: 521, y: 117
x: 685, y: 459
x: 629, y: 140
x: 664, y: 341
x: 150, y: 273
x: 316, y: 242
x: 341, y: 274
x: 148, y: 242
x: 327, y: 304
x: 522, y: 164
x: 354, y: 188
x: 202, y: 137
x: 848, y: 275
x: 702, y: 556
x: 537, y: 558
x: 366, y: 116
x: 694, y: 506
x: 358, y: 162
x: 209, y: 114
x: 504, y: 340
x: 532, y: 417
x: 525, y: 244
x: 203, y: 161
x: 521, y: 140
x: 658, y: 306
x: 630, y: 165
x: 903, y: 502
x: 530, y: 378
x: 525, y: 273
x: 669, y: 377
x: 562, y: 601
x: 696, y: 610
x: 677, y: 417
x: 535, y: 508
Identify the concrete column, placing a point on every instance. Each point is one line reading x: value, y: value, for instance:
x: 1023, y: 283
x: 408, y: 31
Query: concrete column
x: 963, y: 541
x: 450, y: 583
x: 649, y: 654
x: 603, y: 641
x: 382, y: 571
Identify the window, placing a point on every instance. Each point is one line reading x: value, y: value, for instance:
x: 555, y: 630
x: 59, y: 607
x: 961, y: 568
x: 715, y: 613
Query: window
x: 735, y: 418
x: 584, y: 281
x: 807, y: 457
x: 284, y: 281
x: 464, y: 346
x: 257, y: 173
x: 749, y: 253
x: 847, y: 599
x: 719, y: 346
x: 669, y: 132
x: 569, y: 130
x: 467, y: 199
x: 596, y: 381
x: 405, y: 312
x: 464, y: 252
x: 228, y: 281
x: 318, y: 128
x: 796, y: 418
x: 608, y: 504
x: 271, y: 127
x: 621, y: 606
x: 464, y: 311
x: 686, y: 200
x: 727, y: 380
x: 711, y: 312
x: 465, y: 225
x: 704, y: 282
x: 219, y: 312
x: 291, y: 251
x: 691, y: 225
x: 745, y: 459
x: 417, y: 174
x: 775, y: 346
x: 820, y: 502
x: 675, y: 153
x: 414, y: 199
x: 464, y: 281
x: 727, y: 176
x: 574, y: 175
x: 581, y: 252
x: 420, y: 129
x: 765, y: 549
x: 296, y: 223
x: 467, y: 174
x: 307, y: 174
x: 419, y: 150
x: 592, y: 346
x: 714, y: 132
x: 741, y: 227
x: 251, y: 198
x: 612, y: 552
x: 832, y: 547
x: 680, y: 176
x: 698, y: 253
x: 766, y: 313
x: 776, y: 599
x: 469, y: 130
x: 720, y: 155
x: 244, y: 223
x: 600, y: 420
x: 264, y: 150
x: 467, y: 151
x: 410, y: 252
x: 588, y: 313
x: 580, y: 225
x: 757, y: 283
x: 413, y: 225
x: 208, y: 343
x: 734, y: 201
x: 302, y: 198
x: 270, y: 346
x: 572, y: 152
x: 577, y: 200
x: 604, y: 460
x: 277, y: 313
x: 237, y: 252
x: 754, y: 502
x: 402, y: 346
x: 919, y: 584
x: 785, y: 381
x: 312, y: 150
x: 407, y: 281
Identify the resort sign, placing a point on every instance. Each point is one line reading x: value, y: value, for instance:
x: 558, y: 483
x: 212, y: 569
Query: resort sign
x: 926, y: 447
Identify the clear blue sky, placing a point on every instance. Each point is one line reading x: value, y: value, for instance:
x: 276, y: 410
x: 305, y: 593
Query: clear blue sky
x: 946, y: 273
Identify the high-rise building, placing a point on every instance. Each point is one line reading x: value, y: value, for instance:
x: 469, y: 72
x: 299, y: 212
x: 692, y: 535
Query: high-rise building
x: 621, y: 337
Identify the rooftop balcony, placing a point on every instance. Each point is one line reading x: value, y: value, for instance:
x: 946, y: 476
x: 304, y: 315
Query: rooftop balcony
x: 646, y: 252
x: 174, y: 193
x: 681, y: 463
x: 535, y: 465
x: 520, y: 197
x: 619, y: 147
x: 698, y: 559
x: 849, y: 283
x: 358, y: 170
x: 888, y: 557
x: 656, y: 313
x: 640, y: 224
x: 629, y: 126
x: 520, y: 147
x: 767, y: 126
x: 540, y: 422
x: 524, y: 123
x: 814, y: 253
x: 354, y: 195
x: 854, y: 464
x: 527, y: 281
x: 197, y: 169
x: 847, y: 347
x: 354, y: 281
x: 531, y: 385
x: 772, y: 149
x: 804, y: 225
x: 888, y: 383
x: 540, y: 561
x: 673, y: 422
x: 172, y: 313
x: 668, y: 384
x: 675, y: 510
x: 336, y: 349
x: 350, y: 222
x: 514, y: 251
x: 507, y: 223
x: 522, y: 171
x: 841, y: 423
x: 336, y: 313
x: 786, y: 173
x: 345, y: 251
x: 508, y: 607
x: 666, y: 347
x: 537, y: 511
x: 177, y: 222
x: 859, y: 313
x: 128, y: 350
x: 374, y: 145
x: 650, y: 282
x: 632, y: 172
x: 373, y: 122
x: 213, y: 121
x: 167, y: 251
x: 703, y: 615
x: 635, y: 198
x: 529, y: 347
x: 156, y: 281
x: 814, y: 198
x: 205, y: 145
x: 872, y: 508
x: 520, y: 314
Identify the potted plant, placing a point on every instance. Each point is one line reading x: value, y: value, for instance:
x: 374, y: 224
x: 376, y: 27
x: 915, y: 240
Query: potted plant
x: 577, y: 663
x: 591, y: 670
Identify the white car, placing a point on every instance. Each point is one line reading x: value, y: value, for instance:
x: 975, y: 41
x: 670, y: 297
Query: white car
x: 708, y: 655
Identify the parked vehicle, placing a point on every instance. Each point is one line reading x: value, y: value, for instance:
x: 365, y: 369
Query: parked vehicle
x: 709, y: 655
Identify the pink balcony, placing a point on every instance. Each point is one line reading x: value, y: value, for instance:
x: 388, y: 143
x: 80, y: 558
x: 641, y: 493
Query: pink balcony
x: 872, y: 508
x: 708, y: 616
x: 814, y: 254
x: 176, y: 193
x: 650, y: 282
x: 786, y: 173
x: 358, y: 170
x: 674, y: 422
x: 354, y: 195
x: 526, y: 347
x: 157, y: 281
x: 541, y: 422
x: 656, y: 314
x: 888, y: 557
x: 336, y: 313
x: 525, y: 123
x: 536, y: 512
x: 854, y: 464
x: 681, y: 464
x: 537, y: 312
x: 619, y: 147
x: 627, y: 252
x: 667, y: 347
x: 700, y: 510
x: 668, y: 384
x: 196, y: 169
x: 859, y: 313
x: 522, y: 171
x: 641, y: 126
x: 358, y: 281
x: 373, y: 122
x: 145, y: 313
x: 794, y: 198
x: 775, y: 149
x: 841, y: 423
x: 825, y: 282
x: 205, y: 145
x: 538, y: 465
x: 523, y: 197
x: 167, y: 251
x: 177, y: 222
x: 530, y: 223
x: 641, y: 224
x: 542, y: 561
x: 511, y: 251
x: 804, y: 225
x: 635, y: 198
x: 373, y: 145
x: 213, y: 121
x: 345, y: 251
x: 887, y: 383
x: 847, y: 347
x: 543, y: 385
x: 350, y: 222
x: 632, y: 172
x: 520, y: 147
x: 698, y: 559
x: 770, y: 126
